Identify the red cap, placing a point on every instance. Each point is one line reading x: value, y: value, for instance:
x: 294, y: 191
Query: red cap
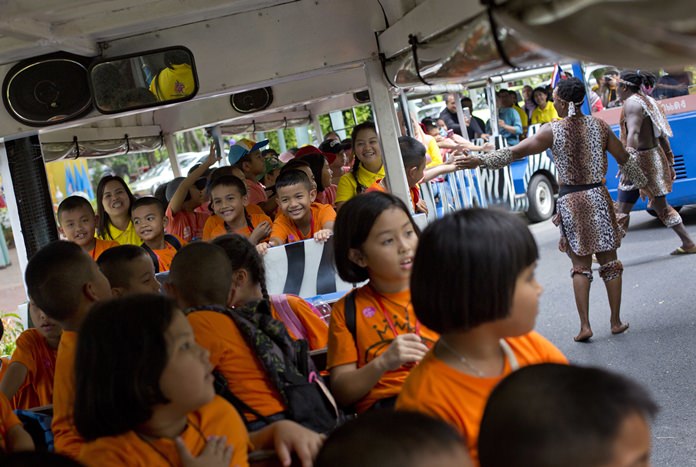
x: 309, y: 149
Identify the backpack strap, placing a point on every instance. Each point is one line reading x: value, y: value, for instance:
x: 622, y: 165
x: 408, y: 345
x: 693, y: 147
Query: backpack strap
x: 153, y: 256
x: 349, y: 311
x: 222, y: 389
x: 287, y: 315
x: 173, y: 241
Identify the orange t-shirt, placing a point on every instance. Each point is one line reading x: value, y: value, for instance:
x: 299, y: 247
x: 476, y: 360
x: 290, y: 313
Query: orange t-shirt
x: 315, y: 327
x: 40, y: 360
x: 186, y: 225
x: 285, y: 229
x: 4, y: 364
x: 232, y: 356
x: 373, y: 335
x: 67, y: 440
x: 8, y: 420
x: 215, y: 226
x: 100, y: 247
x: 414, y: 191
x: 166, y: 255
x: 217, y: 418
x: 437, y: 389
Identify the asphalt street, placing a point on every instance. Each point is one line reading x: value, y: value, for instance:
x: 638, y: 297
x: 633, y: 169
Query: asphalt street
x: 659, y: 302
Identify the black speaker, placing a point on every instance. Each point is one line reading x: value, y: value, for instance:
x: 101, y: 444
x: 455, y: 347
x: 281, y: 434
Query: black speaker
x: 362, y: 97
x: 47, y: 90
x: 252, y: 101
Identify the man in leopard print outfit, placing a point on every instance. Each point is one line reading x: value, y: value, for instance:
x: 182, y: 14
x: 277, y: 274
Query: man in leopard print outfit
x: 586, y: 214
x: 645, y: 128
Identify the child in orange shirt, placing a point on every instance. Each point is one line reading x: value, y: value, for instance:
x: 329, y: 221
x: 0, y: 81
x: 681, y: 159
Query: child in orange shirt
x: 300, y: 217
x: 550, y: 415
x: 228, y: 201
x: 201, y: 275
x: 130, y: 270
x: 249, y: 285
x: 13, y: 436
x: 486, y: 327
x: 28, y: 382
x: 65, y: 282
x: 78, y: 223
x: 149, y: 221
x: 374, y: 336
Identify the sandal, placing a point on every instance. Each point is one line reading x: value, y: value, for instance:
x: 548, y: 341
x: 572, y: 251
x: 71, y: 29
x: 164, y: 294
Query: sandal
x: 682, y: 251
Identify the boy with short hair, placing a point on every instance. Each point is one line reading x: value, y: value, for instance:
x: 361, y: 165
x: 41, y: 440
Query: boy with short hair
x: 300, y: 218
x: 78, y: 223
x: 130, y: 270
x: 65, y: 282
x: 185, y: 195
x: 149, y: 220
x: 550, y: 415
x: 246, y: 155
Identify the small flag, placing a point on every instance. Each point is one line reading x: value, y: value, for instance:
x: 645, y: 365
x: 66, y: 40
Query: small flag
x: 557, y: 75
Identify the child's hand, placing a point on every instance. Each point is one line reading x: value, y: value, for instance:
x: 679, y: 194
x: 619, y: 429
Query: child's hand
x: 488, y: 147
x: 290, y: 437
x: 263, y: 230
x: 421, y: 206
x: 212, y: 157
x: 406, y: 348
x: 263, y: 247
x: 323, y: 235
x: 216, y: 453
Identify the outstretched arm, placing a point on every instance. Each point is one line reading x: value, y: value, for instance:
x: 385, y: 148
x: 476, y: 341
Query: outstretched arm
x: 541, y: 141
x: 177, y: 201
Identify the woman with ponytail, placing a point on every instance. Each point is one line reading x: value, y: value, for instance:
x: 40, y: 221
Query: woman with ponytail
x: 645, y: 132
x: 367, y: 166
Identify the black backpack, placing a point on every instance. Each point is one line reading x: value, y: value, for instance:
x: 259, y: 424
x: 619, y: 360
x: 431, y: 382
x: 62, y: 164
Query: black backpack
x: 287, y: 365
x: 171, y: 239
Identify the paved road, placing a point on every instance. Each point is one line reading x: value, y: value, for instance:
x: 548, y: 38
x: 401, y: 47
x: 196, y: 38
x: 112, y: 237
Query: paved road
x: 659, y: 301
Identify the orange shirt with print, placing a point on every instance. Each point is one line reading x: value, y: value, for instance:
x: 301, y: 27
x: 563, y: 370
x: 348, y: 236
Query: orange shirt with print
x: 166, y: 255
x: 217, y: 418
x: 8, y: 420
x: 185, y: 224
x: 285, y: 230
x: 232, y: 356
x: 40, y: 361
x: 437, y: 389
x: 100, y: 247
x: 315, y: 327
x: 373, y: 335
x: 67, y: 440
x: 215, y: 225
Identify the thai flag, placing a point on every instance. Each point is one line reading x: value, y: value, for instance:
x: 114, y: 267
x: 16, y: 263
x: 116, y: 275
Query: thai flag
x: 556, y: 76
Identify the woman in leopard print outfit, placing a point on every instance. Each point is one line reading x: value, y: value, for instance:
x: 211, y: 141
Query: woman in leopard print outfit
x: 586, y: 214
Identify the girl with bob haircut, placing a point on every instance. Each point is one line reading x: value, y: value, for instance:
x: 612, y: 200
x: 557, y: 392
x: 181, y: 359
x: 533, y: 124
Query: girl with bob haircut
x: 374, y: 336
x: 114, y: 200
x: 151, y: 402
x: 480, y: 294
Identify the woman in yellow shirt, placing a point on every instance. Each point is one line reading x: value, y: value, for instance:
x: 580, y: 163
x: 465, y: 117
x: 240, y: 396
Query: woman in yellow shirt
x: 114, y: 200
x: 545, y: 112
x: 367, y: 167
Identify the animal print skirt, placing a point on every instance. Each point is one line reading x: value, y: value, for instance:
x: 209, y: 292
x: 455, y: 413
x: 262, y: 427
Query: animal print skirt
x: 656, y: 167
x: 588, y: 222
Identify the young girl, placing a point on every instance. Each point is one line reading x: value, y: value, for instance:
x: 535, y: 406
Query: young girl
x: 28, y: 382
x: 151, y: 403
x: 114, y: 200
x: 228, y: 201
x: 481, y: 295
x: 249, y: 284
x: 374, y: 336
x: 319, y: 165
x: 367, y: 166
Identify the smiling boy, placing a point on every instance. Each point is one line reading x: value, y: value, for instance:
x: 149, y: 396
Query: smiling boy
x: 300, y: 217
x: 149, y: 220
x: 77, y: 223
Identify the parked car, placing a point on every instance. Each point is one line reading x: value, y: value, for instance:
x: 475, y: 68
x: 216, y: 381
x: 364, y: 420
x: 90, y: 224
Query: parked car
x: 148, y: 182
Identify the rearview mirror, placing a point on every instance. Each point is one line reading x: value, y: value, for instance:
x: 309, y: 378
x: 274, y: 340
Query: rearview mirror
x: 147, y: 79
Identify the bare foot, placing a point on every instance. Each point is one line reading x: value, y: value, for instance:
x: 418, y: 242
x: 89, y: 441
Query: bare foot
x: 618, y: 329
x: 584, y: 336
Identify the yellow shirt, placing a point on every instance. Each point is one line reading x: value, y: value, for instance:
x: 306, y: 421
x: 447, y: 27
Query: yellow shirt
x: 123, y: 237
x: 546, y: 115
x: 523, y: 116
x: 433, y: 152
x: 348, y: 187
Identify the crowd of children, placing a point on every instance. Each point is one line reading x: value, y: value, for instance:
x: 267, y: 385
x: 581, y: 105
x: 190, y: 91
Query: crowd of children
x: 208, y: 369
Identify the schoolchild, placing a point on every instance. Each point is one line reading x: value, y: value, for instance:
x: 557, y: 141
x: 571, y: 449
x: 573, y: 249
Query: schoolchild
x: 550, y: 415
x: 374, y: 336
x: 150, y: 223
x: 320, y: 166
x: 114, y: 200
x: 300, y: 217
x: 249, y: 285
x: 201, y: 276
x: 65, y: 282
x: 129, y: 269
x: 393, y: 439
x: 161, y: 408
x: 246, y: 155
x: 13, y: 436
x: 78, y: 223
x: 185, y: 195
x: 28, y: 382
x: 237, y: 172
x: 367, y: 166
x: 480, y: 293
x: 272, y: 166
x: 229, y: 201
